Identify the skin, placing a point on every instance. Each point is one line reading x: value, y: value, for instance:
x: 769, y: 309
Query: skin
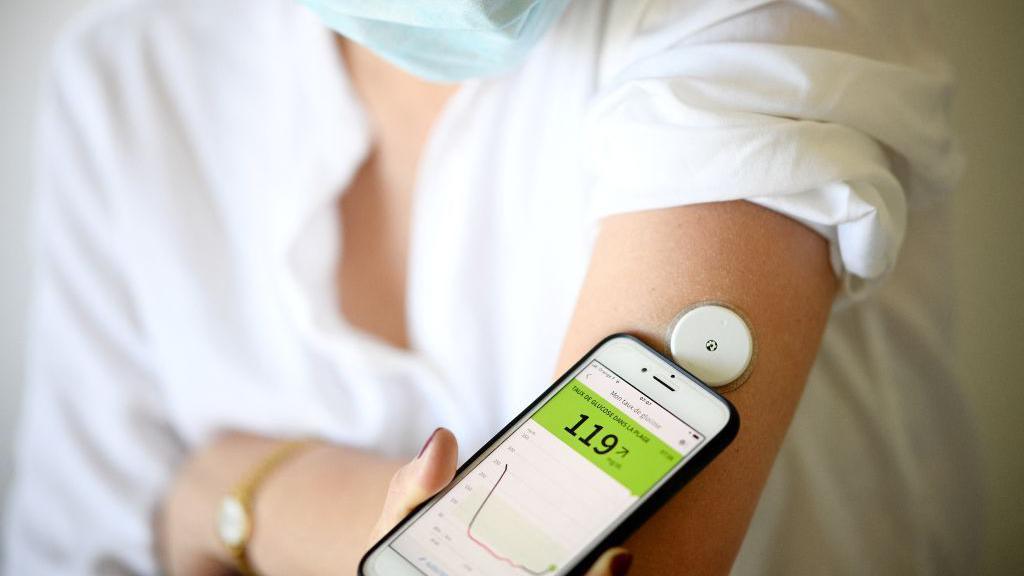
x: 316, y: 513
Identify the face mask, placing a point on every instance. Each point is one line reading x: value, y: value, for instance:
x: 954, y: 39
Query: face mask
x: 443, y: 40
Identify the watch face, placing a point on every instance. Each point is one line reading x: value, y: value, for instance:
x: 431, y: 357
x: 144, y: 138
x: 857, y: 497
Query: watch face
x: 232, y: 522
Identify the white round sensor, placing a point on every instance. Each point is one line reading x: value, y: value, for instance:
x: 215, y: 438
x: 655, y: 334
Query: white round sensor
x: 713, y: 343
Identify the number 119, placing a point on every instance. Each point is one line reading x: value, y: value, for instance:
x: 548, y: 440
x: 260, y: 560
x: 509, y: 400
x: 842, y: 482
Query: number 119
x: 608, y: 441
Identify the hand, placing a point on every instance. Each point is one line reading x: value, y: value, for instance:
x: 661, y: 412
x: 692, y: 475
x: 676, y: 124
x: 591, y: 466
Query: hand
x: 431, y: 471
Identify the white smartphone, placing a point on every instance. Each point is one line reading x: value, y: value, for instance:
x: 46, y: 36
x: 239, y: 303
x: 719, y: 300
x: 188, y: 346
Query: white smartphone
x: 584, y: 465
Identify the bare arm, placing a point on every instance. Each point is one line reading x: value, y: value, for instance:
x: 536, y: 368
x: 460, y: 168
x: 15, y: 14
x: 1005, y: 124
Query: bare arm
x: 648, y: 266
x: 317, y: 513
x: 313, y: 514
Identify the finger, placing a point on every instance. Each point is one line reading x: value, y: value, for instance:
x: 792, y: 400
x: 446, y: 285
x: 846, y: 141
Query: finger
x: 614, y: 562
x: 433, y: 468
x: 418, y: 480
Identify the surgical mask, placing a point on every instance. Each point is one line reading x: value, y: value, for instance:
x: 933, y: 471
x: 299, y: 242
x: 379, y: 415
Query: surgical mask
x: 443, y: 40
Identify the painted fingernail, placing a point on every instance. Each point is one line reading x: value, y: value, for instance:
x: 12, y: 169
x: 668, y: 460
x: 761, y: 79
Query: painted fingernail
x: 621, y: 564
x: 427, y: 443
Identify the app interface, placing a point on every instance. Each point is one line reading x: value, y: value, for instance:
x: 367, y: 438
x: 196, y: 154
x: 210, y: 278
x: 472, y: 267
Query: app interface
x: 554, y: 485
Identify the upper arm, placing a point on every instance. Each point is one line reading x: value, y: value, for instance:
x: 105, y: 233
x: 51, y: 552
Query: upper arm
x: 833, y: 114
x: 648, y: 266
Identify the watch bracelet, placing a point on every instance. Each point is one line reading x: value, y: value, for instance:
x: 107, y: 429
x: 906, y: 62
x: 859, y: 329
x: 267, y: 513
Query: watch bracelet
x: 245, y: 493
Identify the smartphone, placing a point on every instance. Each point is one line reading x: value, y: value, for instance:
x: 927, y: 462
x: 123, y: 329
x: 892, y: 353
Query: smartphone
x: 584, y: 465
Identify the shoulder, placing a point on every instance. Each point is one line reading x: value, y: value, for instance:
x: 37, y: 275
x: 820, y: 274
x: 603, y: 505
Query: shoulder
x: 126, y: 68
x: 108, y: 28
x: 874, y: 29
x: 116, y: 35
x: 161, y: 118
x: 184, y: 99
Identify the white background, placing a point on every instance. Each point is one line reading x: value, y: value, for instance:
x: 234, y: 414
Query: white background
x: 982, y: 38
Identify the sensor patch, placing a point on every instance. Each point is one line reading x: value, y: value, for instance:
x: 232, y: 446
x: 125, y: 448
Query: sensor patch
x: 713, y: 342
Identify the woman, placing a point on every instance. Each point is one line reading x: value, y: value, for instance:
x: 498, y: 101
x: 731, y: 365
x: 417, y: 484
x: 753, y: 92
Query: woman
x: 255, y: 229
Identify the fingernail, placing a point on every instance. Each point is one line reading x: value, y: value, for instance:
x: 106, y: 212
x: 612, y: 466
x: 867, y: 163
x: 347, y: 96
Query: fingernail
x: 427, y: 443
x: 621, y: 563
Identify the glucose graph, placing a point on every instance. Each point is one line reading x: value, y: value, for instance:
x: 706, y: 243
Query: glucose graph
x: 511, y: 518
x: 525, y: 511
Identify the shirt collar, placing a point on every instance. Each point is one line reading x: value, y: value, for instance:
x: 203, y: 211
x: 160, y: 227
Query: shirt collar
x: 325, y: 147
x: 331, y: 140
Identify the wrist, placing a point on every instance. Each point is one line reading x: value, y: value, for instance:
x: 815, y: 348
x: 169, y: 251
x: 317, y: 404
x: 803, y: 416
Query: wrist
x: 313, y: 515
x: 189, y: 537
x: 322, y: 506
x: 236, y: 513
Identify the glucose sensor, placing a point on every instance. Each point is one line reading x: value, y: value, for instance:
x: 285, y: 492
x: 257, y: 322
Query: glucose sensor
x: 714, y: 343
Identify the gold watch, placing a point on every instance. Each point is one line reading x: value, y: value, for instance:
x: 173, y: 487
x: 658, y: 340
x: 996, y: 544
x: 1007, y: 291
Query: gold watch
x: 235, y: 514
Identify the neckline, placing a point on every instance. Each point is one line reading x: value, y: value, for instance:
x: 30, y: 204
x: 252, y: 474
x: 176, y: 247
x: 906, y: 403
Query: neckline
x: 350, y: 145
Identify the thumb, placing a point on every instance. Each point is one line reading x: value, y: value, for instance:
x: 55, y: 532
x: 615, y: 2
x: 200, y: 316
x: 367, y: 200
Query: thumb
x: 418, y: 480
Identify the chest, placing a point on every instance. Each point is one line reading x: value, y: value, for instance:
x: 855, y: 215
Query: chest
x: 374, y: 213
x: 473, y: 269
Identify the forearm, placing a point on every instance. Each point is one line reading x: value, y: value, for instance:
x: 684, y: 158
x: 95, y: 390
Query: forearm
x: 312, y: 515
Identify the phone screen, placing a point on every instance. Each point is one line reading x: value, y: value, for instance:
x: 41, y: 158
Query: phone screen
x: 554, y: 484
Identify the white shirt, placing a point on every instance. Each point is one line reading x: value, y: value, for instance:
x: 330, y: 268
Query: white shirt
x: 191, y: 157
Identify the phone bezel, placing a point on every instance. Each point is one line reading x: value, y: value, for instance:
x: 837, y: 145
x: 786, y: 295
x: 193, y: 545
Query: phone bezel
x: 681, y: 402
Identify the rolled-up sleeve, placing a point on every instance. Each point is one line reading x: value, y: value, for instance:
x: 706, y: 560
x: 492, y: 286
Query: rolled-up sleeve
x: 833, y: 113
x: 93, y: 448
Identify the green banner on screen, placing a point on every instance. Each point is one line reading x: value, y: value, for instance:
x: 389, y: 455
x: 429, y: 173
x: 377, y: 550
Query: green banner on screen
x: 607, y: 437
